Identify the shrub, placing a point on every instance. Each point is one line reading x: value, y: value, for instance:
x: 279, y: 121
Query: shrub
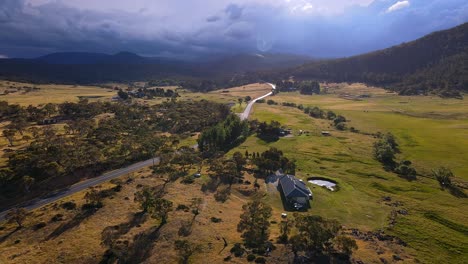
x: 117, y: 188
x: 185, y: 229
x: 215, y: 219
x: 222, y: 195
x: 69, y: 206
x: 188, y: 179
x: 39, y: 226
x: 182, y: 207
x: 237, y: 250
x: 260, y: 260
x: 340, y: 126
x: 405, y: 170
x: 57, y: 217
x: 443, y: 176
x: 250, y: 257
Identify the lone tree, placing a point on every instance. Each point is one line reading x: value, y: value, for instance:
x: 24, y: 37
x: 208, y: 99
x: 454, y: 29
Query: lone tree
x: 444, y: 176
x: 9, y: 134
x: 186, y: 249
x: 17, y: 215
x: 255, y: 223
x: 285, y: 229
x: 160, y: 209
x: 315, y: 234
x: 151, y: 202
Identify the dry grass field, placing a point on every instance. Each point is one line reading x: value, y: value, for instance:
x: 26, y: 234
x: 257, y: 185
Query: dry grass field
x: 50, y: 93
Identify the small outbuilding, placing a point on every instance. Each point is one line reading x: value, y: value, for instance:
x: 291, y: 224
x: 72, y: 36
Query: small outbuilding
x: 295, y: 191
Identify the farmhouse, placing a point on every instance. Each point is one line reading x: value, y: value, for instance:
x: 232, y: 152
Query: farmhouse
x: 295, y: 191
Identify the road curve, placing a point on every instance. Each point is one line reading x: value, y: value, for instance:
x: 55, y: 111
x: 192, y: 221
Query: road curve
x: 244, y: 115
x: 39, y: 202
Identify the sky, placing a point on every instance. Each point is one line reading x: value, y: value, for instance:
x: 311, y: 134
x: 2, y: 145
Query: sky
x: 196, y: 28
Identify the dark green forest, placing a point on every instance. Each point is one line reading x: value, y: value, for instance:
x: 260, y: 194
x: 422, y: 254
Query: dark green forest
x: 435, y: 63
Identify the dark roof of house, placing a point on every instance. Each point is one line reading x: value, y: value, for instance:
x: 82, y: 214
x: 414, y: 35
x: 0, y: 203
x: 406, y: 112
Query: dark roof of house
x: 292, y: 187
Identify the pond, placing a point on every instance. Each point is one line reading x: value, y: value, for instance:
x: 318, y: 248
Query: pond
x: 323, y: 182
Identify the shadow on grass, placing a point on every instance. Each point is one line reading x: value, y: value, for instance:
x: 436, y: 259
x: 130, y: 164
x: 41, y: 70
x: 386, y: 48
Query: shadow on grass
x: 323, y: 259
x: 76, y: 221
x: 112, y: 233
x: 5, y: 237
x: 457, y: 192
x: 268, y: 138
x: 137, y: 252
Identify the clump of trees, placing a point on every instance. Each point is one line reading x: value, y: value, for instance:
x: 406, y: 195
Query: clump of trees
x: 304, y: 87
x: 225, y: 171
x: 338, y: 121
x: 152, y: 203
x: 255, y: 224
x: 444, y: 176
x: 269, y: 131
x: 317, y: 236
x: 385, y: 149
x: 272, y: 160
x: 224, y: 135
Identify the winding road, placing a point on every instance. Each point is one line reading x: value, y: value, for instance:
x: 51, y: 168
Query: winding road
x: 53, y: 197
x: 244, y: 115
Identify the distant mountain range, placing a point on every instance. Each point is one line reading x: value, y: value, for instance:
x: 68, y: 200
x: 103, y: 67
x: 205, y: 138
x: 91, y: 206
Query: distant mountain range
x: 82, y: 67
x: 435, y: 63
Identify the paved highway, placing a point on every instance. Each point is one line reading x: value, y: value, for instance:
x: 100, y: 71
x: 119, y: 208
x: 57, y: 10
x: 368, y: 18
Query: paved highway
x: 244, y: 115
x: 39, y: 202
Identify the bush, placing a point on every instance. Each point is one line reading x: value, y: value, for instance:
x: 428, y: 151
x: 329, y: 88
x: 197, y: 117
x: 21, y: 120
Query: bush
x: 237, y: 250
x: 90, y: 206
x: 250, y: 257
x: 188, y: 180
x: 39, y: 226
x: 57, y: 217
x: 260, y: 260
x: 340, y: 126
x: 405, y: 170
x: 117, y: 188
x: 215, y: 219
x: 443, y: 176
x: 69, y: 206
x: 182, y: 207
x: 222, y: 195
x: 185, y: 229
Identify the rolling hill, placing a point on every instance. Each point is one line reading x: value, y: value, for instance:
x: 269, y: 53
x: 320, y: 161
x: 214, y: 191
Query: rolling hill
x: 437, y: 62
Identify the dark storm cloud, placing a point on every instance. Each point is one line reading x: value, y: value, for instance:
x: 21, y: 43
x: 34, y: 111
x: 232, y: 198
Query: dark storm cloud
x: 181, y: 28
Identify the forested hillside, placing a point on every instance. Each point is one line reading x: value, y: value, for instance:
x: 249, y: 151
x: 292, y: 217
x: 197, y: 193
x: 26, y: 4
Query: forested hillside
x: 437, y: 62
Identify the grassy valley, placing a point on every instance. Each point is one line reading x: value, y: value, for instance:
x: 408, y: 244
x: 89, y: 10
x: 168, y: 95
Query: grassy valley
x: 391, y: 218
